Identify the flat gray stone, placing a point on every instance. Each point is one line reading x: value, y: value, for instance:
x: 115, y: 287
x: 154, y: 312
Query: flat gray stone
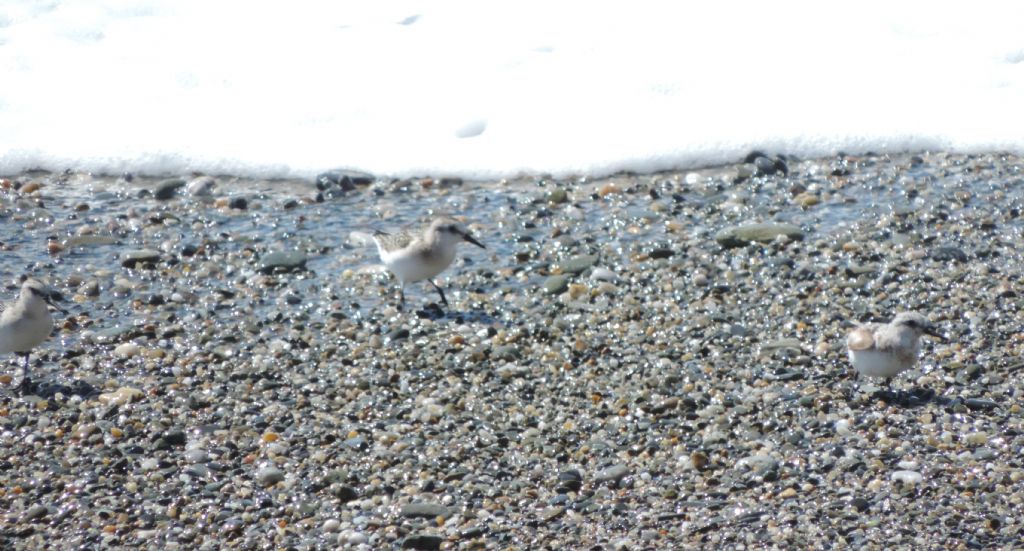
x: 282, y: 261
x: 36, y: 511
x: 556, y: 284
x: 131, y: 259
x: 427, y: 542
x: 88, y: 240
x: 425, y: 510
x: 738, y: 236
x: 269, y: 476
x: 611, y: 474
x: 506, y: 352
x: 578, y: 264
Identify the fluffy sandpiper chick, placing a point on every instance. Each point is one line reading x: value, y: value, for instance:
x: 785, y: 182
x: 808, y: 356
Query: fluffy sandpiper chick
x: 26, y: 322
x: 413, y: 257
x: 888, y: 349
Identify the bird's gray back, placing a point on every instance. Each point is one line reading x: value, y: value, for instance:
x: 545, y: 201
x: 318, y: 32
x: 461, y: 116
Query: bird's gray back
x: 393, y: 241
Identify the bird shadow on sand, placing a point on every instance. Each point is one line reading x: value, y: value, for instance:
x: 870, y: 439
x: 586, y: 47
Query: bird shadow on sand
x: 435, y: 312
x: 917, y: 397
x: 47, y: 389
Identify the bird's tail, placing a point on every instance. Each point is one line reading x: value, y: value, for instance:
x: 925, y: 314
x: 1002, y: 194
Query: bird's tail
x: 361, y: 238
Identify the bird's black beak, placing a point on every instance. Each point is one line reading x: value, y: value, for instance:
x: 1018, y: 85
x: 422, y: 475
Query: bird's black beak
x: 931, y: 331
x: 49, y: 300
x: 473, y: 240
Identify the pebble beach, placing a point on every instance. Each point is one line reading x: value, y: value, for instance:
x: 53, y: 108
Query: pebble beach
x: 643, y: 361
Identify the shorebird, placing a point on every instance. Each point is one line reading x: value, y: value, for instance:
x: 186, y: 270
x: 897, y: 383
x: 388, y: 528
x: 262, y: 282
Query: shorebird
x: 26, y: 322
x: 888, y: 349
x: 414, y: 257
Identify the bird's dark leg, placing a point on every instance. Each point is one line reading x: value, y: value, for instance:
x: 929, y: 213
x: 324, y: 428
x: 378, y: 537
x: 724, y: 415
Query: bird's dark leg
x: 894, y: 395
x: 440, y: 292
x: 26, y: 382
x: 854, y: 387
x: 401, y: 297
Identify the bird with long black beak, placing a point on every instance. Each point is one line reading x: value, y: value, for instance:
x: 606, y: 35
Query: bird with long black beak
x: 415, y: 257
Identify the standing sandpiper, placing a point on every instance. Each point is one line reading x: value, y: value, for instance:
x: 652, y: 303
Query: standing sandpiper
x: 888, y: 349
x: 413, y: 257
x: 26, y: 322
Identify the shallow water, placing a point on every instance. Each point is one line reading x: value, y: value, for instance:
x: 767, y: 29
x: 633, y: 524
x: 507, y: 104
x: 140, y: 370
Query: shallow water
x: 512, y: 218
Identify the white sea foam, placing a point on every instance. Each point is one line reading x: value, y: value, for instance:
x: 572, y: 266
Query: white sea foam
x: 482, y: 89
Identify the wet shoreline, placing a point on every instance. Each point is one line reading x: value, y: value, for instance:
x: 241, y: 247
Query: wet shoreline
x: 618, y: 368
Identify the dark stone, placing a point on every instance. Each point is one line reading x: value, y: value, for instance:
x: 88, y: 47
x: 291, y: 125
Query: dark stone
x: 422, y: 541
x: 168, y: 188
x: 344, y: 492
x: 345, y: 180
x: 131, y: 259
x: 398, y: 335
x: 764, y: 166
x: 753, y: 156
x: 980, y: 404
x: 569, y: 481
x: 946, y: 254
x: 239, y: 203
x: 174, y: 438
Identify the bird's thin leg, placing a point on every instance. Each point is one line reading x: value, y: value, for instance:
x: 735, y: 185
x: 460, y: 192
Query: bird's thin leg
x: 440, y: 292
x: 26, y: 382
x: 854, y: 387
x: 401, y: 297
x: 895, y: 395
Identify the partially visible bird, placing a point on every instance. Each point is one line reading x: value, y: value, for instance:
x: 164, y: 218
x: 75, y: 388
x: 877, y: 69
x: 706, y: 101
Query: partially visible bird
x: 26, y: 322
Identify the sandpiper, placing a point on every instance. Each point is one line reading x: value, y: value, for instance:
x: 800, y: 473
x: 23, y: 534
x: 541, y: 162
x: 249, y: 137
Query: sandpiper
x: 413, y: 257
x: 26, y: 322
x: 888, y: 349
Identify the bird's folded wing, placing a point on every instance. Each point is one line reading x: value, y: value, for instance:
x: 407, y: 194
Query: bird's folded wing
x: 860, y: 339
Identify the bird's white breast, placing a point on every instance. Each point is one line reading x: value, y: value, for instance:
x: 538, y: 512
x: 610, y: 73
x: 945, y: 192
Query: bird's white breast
x: 874, y: 363
x: 21, y: 329
x: 412, y: 265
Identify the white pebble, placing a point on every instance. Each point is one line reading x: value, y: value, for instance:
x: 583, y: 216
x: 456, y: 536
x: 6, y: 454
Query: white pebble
x: 907, y: 477
x: 843, y: 427
x: 127, y: 350
x: 331, y: 525
x: 604, y: 274
x: 203, y: 185
x: 355, y: 538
